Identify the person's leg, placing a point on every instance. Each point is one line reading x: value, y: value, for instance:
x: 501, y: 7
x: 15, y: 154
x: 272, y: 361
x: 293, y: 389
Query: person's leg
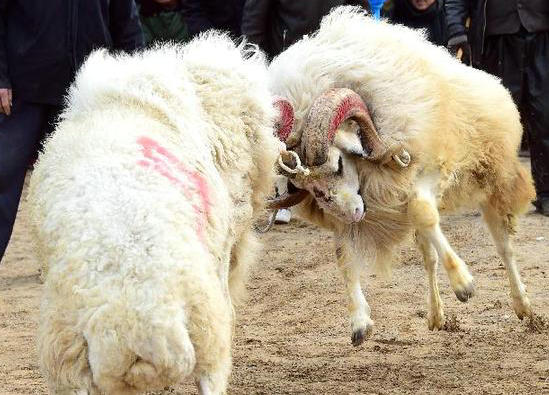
x: 283, y: 215
x: 537, y: 117
x: 504, y: 57
x: 19, y: 136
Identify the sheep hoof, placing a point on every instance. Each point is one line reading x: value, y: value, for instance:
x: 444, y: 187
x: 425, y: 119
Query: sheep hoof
x: 436, y: 320
x: 361, y: 334
x: 465, y: 293
x: 522, y: 308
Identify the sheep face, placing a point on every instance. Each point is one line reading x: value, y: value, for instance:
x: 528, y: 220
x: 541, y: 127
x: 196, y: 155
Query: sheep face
x: 338, y: 128
x: 335, y: 184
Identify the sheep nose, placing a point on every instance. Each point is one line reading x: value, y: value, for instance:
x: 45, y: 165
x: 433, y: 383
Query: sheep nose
x: 358, y: 214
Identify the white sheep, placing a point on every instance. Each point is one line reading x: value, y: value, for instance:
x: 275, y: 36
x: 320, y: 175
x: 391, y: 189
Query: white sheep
x: 440, y: 137
x: 142, y: 199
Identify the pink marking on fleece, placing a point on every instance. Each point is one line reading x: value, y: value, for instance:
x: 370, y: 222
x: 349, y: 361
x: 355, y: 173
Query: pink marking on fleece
x: 348, y: 104
x: 191, y: 182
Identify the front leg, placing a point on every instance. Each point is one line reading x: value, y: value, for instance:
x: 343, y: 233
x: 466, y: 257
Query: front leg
x: 359, y: 310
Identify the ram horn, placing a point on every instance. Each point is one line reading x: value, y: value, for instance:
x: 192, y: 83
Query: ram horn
x: 327, y: 113
x: 287, y: 200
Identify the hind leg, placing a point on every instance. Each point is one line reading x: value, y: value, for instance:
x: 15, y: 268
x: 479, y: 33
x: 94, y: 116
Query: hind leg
x: 214, y: 358
x: 430, y: 259
x: 501, y: 228
x: 73, y: 392
x: 213, y: 373
x: 213, y: 383
x: 423, y: 214
x: 211, y: 324
x: 69, y: 392
x: 62, y: 351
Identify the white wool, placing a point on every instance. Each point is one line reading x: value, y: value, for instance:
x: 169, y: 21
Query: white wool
x: 137, y: 244
x: 460, y: 127
x: 454, y: 120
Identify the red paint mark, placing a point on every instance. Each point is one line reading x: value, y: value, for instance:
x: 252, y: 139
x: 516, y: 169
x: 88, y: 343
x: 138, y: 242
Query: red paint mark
x: 285, y: 123
x: 191, y: 182
x: 351, y: 104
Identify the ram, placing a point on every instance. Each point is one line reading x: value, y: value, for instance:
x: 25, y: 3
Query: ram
x: 392, y: 130
x: 142, y: 204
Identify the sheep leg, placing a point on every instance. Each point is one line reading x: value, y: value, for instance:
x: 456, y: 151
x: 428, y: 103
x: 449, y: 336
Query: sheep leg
x: 214, y: 380
x: 500, y: 228
x: 423, y: 214
x: 212, y: 337
x: 435, y: 318
x: 359, y: 310
x: 208, y: 385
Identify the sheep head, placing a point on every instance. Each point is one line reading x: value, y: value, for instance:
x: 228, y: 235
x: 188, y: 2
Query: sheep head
x: 338, y: 130
x: 284, y: 125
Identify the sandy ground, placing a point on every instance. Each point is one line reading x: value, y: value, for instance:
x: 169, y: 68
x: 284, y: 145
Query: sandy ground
x: 293, y: 336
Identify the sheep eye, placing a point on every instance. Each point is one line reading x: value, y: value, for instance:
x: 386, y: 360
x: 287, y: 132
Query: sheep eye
x: 340, y: 166
x: 318, y: 193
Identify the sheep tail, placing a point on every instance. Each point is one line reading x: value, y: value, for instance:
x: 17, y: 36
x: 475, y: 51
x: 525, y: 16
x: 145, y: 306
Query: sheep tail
x: 143, y: 353
x: 154, y: 370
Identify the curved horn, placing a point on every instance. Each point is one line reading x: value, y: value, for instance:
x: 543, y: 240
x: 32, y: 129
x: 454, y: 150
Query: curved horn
x: 287, y: 200
x: 328, y: 111
x: 284, y: 123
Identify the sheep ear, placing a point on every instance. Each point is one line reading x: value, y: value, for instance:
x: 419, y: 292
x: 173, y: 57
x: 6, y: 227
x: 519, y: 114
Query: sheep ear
x: 349, y: 142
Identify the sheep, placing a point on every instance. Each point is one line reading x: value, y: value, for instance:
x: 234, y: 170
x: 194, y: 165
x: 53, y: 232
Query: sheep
x: 142, y: 203
x: 392, y: 130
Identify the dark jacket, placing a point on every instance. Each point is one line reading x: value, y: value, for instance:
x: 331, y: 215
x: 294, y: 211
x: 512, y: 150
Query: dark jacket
x: 433, y: 19
x: 276, y: 24
x: 161, y: 24
x: 534, y: 13
x: 202, y: 15
x: 42, y: 43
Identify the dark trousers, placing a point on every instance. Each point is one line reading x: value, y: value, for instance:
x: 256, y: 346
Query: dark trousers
x: 20, y: 136
x: 521, y: 60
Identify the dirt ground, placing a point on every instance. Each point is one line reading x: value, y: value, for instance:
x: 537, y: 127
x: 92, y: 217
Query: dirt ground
x: 293, y: 334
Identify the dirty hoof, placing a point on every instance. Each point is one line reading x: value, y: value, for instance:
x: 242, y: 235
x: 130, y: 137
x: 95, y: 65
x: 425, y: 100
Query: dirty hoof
x: 465, y: 293
x: 436, y: 321
x: 522, y: 307
x: 360, y: 335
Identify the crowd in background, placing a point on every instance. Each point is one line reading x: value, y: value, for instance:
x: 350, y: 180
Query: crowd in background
x: 42, y: 44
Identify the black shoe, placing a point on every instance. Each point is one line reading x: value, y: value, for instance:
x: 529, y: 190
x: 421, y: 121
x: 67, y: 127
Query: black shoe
x: 542, y: 206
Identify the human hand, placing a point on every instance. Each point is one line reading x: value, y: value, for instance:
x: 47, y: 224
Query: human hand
x: 5, y: 101
x: 460, y: 48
